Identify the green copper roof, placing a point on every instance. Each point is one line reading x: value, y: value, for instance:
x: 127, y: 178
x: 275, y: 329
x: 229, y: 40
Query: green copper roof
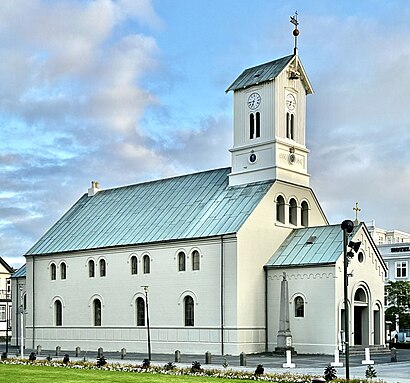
x: 20, y: 273
x: 189, y: 206
x: 261, y: 73
x: 309, y: 246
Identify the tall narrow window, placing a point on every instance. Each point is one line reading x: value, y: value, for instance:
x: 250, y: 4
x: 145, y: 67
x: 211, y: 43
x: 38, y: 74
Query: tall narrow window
x: 3, y: 313
x: 97, y: 312
x: 181, y: 261
x: 189, y: 310
x: 134, y: 265
x: 305, y: 214
x: 287, y: 125
x: 258, y: 125
x: 195, y: 260
x: 63, y: 270
x: 280, y: 209
x: 147, y: 265
x: 91, y: 268
x: 58, y: 313
x: 251, y: 126
x: 292, y: 211
x: 140, y: 312
x: 103, y: 268
x: 299, y: 307
x: 292, y: 126
x: 25, y: 302
x: 53, y: 272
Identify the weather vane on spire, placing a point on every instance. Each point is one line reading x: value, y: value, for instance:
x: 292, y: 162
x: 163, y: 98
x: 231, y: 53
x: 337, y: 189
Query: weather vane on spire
x: 295, y: 22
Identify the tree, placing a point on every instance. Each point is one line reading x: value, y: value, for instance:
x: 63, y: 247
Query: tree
x: 398, y: 302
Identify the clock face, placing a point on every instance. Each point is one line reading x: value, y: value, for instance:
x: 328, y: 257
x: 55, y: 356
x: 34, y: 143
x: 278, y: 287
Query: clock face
x: 254, y: 100
x: 290, y: 101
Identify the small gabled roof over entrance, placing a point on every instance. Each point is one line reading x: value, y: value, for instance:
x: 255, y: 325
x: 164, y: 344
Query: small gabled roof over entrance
x: 309, y: 246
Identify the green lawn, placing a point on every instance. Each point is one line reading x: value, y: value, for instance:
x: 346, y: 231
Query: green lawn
x: 45, y: 374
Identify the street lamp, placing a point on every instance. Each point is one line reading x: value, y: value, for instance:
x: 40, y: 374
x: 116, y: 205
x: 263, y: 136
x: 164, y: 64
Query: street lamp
x: 347, y: 227
x: 149, y: 337
x: 21, y: 322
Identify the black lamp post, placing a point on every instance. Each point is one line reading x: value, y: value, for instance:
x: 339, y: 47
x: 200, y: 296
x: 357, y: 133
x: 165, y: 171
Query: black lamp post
x: 148, y: 332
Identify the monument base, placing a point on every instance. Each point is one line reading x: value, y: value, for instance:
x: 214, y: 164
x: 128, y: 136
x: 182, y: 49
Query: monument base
x: 282, y: 350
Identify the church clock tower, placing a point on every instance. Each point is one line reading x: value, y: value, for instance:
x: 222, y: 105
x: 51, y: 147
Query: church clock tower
x: 270, y: 123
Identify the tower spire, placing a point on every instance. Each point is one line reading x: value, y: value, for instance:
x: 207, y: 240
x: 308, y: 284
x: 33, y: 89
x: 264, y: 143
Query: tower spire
x: 294, y: 21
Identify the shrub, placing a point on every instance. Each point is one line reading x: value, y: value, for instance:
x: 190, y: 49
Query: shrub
x: 196, y: 367
x: 32, y: 357
x: 146, y: 363
x: 370, y: 372
x: 225, y: 363
x: 3, y: 355
x: 66, y: 359
x: 101, y: 361
x: 329, y: 373
x: 169, y: 366
x: 259, y: 370
x: 49, y: 358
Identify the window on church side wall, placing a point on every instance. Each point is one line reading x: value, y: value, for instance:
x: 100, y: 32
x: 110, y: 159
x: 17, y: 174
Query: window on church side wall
x: 58, y: 313
x: 401, y: 269
x: 147, y: 264
x: 140, y: 312
x: 97, y: 312
x: 195, y: 260
x: 91, y: 268
x: 305, y: 214
x: 134, y: 265
x: 299, y: 307
x: 280, y: 209
x: 53, y: 272
x: 189, y: 310
x: 251, y: 126
x: 103, y: 268
x: 293, y: 212
x: 181, y: 261
x: 63, y: 270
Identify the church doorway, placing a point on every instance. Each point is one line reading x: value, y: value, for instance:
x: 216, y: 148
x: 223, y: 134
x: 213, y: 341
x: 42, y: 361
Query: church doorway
x: 361, y: 318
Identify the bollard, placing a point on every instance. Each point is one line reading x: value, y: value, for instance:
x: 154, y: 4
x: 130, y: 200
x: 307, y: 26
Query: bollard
x: 177, y: 356
x: 367, y: 359
x: 289, y: 363
x: 337, y: 362
x: 208, y: 358
x: 123, y: 353
x: 77, y: 351
x: 58, y: 351
x: 242, y: 359
x: 38, y: 350
x: 393, y: 355
x: 100, y: 352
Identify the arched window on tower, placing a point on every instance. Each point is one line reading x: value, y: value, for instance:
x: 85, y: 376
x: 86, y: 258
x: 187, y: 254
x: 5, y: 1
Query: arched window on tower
x: 134, y: 265
x: 181, y: 261
x: 258, y: 125
x: 251, y: 126
x: 195, y: 260
x: 103, y: 268
x: 280, y: 209
x: 53, y: 272
x: 299, y: 307
x: 146, y: 264
x: 97, y: 312
x: 290, y: 125
x: 63, y: 270
x: 140, y: 312
x: 58, y: 313
x: 189, y: 310
x: 305, y: 214
x: 293, y: 216
x: 91, y: 268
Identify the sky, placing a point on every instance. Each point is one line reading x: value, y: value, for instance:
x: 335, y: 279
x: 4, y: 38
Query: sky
x: 134, y: 90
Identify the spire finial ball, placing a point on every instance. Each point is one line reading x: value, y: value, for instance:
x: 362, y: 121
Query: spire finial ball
x: 296, y: 32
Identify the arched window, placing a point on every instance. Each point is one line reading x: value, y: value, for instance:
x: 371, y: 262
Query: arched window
x: 53, y: 272
x: 25, y: 302
x: 290, y: 125
x: 63, y: 270
x: 189, y: 310
x: 97, y: 312
x: 251, y: 126
x: 134, y: 265
x: 147, y: 265
x: 280, y: 209
x: 181, y: 261
x: 195, y: 260
x: 305, y: 214
x: 103, y: 268
x: 91, y: 268
x: 140, y: 304
x: 258, y: 125
x: 299, y: 307
x: 58, y: 313
x: 293, y: 213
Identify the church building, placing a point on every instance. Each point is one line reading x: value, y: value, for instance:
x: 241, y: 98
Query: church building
x: 209, y: 250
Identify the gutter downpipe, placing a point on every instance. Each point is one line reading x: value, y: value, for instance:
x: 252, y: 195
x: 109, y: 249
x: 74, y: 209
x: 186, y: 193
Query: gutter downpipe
x: 266, y: 308
x: 34, y: 305
x: 222, y: 297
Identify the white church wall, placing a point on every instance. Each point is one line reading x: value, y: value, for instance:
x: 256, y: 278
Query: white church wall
x: 118, y: 291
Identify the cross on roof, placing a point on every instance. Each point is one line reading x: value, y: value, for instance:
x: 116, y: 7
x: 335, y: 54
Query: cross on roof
x: 357, y: 209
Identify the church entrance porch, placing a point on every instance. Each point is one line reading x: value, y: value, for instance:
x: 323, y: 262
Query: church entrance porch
x: 361, y: 323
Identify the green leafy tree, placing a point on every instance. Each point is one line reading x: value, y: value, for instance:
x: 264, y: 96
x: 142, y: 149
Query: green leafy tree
x: 398, y: 302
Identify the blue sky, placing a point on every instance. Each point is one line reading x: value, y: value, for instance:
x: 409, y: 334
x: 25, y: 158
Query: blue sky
x: 133, y: 90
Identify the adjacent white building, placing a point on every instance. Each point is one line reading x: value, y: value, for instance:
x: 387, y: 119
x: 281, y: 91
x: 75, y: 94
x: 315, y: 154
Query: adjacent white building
x: 5, y: 297
x: 211, y: 247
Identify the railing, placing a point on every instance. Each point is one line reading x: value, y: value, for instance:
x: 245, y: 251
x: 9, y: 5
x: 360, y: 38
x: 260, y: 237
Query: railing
x: 5, y: 295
